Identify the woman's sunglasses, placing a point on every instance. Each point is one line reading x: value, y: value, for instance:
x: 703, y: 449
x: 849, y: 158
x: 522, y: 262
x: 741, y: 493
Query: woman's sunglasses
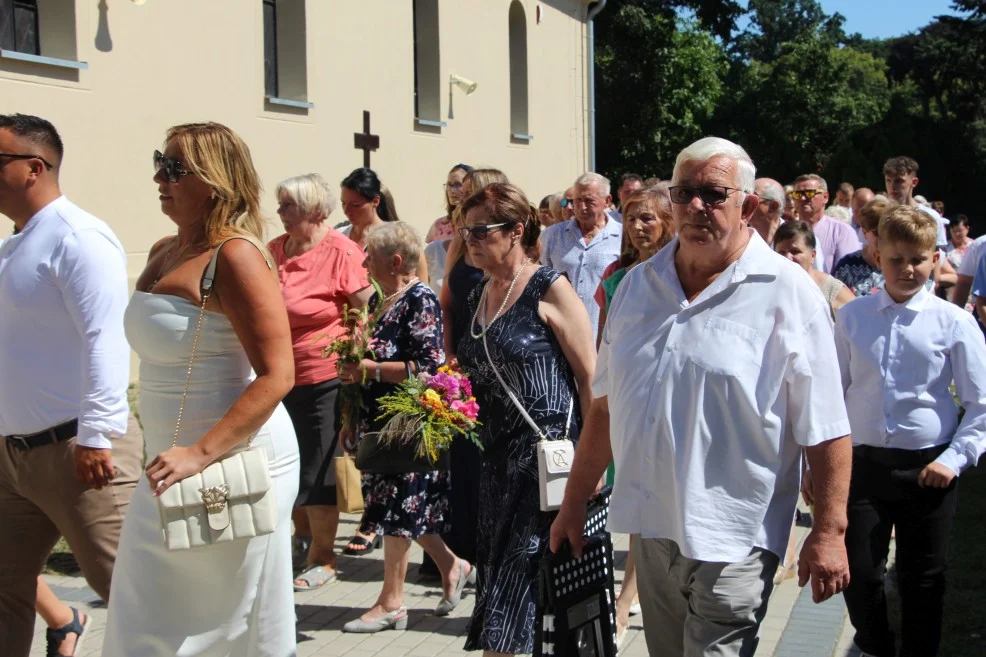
x: 480, y: 233
x: 168, y: 167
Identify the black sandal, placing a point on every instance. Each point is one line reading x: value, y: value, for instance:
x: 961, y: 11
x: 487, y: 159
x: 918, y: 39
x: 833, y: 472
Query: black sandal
x: 368, y: 546
x: 56, y: 636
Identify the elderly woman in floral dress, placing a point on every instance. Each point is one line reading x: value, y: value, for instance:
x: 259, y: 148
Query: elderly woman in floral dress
x: 407, y: 339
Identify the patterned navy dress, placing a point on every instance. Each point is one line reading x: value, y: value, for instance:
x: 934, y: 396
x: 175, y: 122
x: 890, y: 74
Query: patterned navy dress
x: 416, y: 503
x: 512, y: 530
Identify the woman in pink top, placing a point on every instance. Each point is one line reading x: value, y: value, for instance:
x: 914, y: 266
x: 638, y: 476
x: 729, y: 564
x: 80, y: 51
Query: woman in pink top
x: 321, y: 271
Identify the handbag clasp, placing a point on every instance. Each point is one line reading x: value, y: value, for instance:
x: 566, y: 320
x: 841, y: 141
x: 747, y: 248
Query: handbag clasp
x: 215, y: 498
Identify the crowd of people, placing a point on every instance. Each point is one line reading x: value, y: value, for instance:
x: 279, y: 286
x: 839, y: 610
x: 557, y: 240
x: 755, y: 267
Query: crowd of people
x: 714, y: 345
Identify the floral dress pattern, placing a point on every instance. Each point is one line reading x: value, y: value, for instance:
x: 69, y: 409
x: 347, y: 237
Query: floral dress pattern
x: 406, y: 505
x: 512, y: 529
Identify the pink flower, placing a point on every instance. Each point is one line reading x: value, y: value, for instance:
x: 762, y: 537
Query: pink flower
x: 446, y: 384
x: 466, y: 386
x: 468, y: 408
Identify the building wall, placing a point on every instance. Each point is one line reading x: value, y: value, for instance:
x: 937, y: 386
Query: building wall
x: 173, y: 61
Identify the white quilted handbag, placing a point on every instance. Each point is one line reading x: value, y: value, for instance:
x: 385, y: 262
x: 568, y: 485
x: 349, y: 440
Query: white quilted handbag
x: 232, y: 498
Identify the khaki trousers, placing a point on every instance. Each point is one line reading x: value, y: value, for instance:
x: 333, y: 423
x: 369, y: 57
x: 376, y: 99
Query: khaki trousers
x: 42, y: 499
x: 701, y: 608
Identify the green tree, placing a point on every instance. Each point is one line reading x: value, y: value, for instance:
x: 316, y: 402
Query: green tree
x: 792, y: 113
x: 659, y: 80
x: 775, y: 23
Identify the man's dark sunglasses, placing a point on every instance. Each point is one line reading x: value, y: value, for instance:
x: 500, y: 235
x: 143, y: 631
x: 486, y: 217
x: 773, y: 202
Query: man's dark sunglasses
x: 710, y: 194
x: 480, y: 233
x: 171, y: 168
x: 18, y: 156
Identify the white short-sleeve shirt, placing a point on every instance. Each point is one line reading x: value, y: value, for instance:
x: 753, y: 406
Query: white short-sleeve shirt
x: 711, y: 401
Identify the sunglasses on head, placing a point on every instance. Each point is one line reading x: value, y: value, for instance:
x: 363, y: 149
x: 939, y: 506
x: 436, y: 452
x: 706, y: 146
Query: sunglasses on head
x: 710, y: 194
x: 805, y: 194
x: 480, y: 233
x: 168, y: 167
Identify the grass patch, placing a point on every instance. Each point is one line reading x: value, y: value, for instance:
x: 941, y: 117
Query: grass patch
x: 964, y: 629
x: 964, y: 625
x: 61, y: 561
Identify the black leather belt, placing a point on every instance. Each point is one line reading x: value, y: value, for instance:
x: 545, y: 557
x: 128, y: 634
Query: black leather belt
x: 51, y: 436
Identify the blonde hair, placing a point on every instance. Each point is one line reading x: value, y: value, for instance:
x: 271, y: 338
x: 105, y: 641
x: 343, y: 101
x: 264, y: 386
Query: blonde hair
x: 478, y: 180
x: 221, y: 159
x: 870, y: 214
x: 554, y: 206
x: 310, y: 193
x: 908, y: 225
x: 389, y: 206
x: 396, y: 237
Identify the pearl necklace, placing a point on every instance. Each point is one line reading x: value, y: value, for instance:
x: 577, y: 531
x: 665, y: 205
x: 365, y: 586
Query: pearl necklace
x: 401, y: 291
x: 482, y: 304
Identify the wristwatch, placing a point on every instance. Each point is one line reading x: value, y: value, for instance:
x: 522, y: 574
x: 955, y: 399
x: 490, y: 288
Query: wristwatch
x: 378, y: 373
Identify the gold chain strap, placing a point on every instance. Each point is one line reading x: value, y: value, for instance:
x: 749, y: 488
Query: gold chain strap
x: 191, y: 361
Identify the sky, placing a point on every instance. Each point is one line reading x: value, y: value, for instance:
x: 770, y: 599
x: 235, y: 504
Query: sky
x: 886, y: 18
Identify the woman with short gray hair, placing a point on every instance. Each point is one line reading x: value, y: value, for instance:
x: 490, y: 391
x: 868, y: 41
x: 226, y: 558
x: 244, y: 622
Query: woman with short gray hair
x: 321, y: 273
x: 412, y: 506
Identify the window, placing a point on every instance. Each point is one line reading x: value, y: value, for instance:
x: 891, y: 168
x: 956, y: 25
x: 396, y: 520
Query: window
x: 19, y: 26
x: 285, y: 53
x: 518, y: 72
x: 270, y: 48
x: 427, y: 63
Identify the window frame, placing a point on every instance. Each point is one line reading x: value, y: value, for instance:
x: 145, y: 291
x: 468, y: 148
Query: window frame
x: 30, y: 6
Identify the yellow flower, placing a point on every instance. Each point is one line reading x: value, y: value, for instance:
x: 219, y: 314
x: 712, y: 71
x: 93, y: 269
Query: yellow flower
x: 433, y: 396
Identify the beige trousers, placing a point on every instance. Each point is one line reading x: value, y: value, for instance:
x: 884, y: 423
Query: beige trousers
x: 40, y: 500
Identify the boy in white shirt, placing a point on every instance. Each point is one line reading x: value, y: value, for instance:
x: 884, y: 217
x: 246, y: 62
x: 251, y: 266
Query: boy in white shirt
x: 899, y: 350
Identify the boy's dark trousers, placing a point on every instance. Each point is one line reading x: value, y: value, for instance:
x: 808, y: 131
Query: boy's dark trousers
x: 884, y: 494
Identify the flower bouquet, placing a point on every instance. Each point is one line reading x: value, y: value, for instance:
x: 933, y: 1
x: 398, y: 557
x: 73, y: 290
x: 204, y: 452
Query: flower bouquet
x: 429, y: 412
x: 353, y: 347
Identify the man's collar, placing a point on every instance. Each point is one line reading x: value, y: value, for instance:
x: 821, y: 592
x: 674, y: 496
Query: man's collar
x: 757, y: 260
x: 915, y: 303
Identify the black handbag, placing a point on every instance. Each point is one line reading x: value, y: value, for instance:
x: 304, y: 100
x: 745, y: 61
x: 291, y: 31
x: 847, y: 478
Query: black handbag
x: 377, y: 455
x: 576, y: 602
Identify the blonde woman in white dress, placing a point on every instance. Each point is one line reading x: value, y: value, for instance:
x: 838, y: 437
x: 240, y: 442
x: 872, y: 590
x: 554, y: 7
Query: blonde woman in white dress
x: 226, y: 599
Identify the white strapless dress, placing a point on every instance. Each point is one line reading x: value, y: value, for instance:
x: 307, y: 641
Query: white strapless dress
x: 226, y: 600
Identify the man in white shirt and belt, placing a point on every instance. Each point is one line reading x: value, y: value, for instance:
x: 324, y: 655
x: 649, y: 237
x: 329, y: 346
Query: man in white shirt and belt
x: 68, y: 460
x: 717, y: 367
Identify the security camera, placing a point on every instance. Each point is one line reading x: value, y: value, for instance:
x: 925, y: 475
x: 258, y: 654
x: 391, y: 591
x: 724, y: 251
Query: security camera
x: 467, y: 85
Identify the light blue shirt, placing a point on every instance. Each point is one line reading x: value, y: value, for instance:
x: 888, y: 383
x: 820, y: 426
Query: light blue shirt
x: 898, y: 361
x: 564, y: 249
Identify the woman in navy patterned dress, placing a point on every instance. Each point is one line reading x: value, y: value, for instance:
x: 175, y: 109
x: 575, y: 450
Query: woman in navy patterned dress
x: 540, y: 341
x: 403, y: 507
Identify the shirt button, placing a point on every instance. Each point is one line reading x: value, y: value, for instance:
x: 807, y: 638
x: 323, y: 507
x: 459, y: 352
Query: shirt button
x: 652, y: 420
x: 648, y: 460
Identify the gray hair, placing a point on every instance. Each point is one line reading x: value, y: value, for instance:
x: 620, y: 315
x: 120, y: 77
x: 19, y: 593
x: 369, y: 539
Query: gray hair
x: 591, y: 178
x: 771, y: 190
x: 710, y: 147
x: 839, y: 213
x: 310, y: 193
x: 822, y: 185
x: 396, y: 238
x: 554, y: 205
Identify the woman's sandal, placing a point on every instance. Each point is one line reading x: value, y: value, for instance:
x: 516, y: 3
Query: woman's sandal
x: 365, y: 546
x: 55, y: 636
x: 313, y: 577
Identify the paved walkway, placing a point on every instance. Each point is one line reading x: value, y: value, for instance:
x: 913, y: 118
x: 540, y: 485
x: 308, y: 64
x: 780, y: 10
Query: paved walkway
x: 794, y: 626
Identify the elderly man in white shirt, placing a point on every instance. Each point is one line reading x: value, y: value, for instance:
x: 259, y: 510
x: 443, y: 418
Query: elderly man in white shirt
x: 68, y: 460
x: 582, y: 248
x: 717, y: 368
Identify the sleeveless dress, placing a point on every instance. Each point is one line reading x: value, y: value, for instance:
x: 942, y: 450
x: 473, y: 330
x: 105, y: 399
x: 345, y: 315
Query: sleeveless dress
x: 229, y: 599
x: 512, y: 530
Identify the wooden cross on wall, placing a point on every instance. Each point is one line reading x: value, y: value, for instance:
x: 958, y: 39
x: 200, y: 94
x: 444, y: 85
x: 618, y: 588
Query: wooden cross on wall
x: 365, y: 141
